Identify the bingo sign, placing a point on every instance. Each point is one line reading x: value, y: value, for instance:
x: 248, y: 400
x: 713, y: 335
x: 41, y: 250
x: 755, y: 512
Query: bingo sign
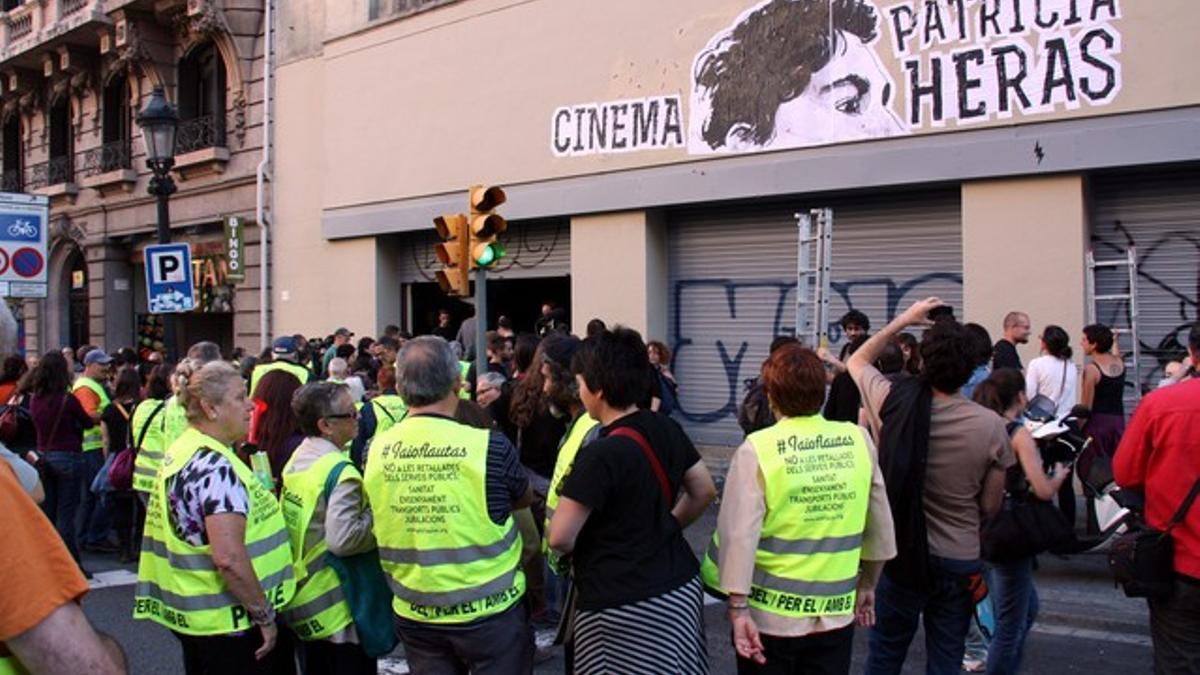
x: 23, y: 220
x: 169, y: 278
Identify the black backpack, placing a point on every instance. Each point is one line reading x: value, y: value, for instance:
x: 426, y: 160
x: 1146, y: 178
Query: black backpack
x: 754, y: 412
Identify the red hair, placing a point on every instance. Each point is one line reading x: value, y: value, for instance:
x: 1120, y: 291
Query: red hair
x: 794, y: 378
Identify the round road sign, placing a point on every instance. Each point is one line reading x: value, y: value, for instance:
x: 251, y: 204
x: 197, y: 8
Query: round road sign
x: 27, y: 262
x: 3, y: 260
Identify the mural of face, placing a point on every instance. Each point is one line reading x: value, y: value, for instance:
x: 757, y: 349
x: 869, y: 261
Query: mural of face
x: 792, y: 73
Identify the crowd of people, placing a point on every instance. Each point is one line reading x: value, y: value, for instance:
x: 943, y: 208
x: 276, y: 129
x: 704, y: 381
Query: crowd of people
x: 311, y: 508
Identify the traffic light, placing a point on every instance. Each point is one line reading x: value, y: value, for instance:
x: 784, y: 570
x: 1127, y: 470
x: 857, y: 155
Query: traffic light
x: 486, y: 250
x: 455, y: 275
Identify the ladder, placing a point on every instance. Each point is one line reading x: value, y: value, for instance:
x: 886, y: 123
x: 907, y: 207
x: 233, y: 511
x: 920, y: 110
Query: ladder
x: 1115, y: 302
x: 814, y: 262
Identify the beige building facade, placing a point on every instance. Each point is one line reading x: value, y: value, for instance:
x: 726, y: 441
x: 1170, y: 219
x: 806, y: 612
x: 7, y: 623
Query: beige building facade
x: 73, y: 76
x: 655, y: 155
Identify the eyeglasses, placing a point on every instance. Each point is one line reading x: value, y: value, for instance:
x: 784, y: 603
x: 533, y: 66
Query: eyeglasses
x: 353, y: 415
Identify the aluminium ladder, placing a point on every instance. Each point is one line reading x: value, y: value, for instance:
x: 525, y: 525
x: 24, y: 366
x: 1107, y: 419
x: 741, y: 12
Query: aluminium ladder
x: 814, y: 262
x: 1115, y: 302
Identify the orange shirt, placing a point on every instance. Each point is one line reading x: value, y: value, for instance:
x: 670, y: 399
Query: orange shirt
x: 39, y: 574
x: 88, y: 399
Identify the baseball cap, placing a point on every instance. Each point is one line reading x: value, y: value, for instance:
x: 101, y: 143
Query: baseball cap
x: 283, y: 345
x: 97, y: 356
x: 343, y: 331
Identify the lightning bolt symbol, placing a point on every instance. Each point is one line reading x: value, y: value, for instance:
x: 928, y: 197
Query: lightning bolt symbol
x: 1039, y: 152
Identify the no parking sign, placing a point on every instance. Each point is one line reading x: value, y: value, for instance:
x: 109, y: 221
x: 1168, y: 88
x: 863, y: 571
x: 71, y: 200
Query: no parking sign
x: 23, y: 224
x: 169, y: 278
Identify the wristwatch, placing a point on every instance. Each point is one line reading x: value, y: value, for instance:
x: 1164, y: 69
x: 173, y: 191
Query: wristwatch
x: 263, y: 616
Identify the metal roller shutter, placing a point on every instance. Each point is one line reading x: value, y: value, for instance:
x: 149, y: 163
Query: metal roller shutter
x: 733, y: 283
x: 1160, y: 214
x: 535, y: 249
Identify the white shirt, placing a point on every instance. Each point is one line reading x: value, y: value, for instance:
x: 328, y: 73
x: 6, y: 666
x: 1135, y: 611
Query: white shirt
x: 1045, y: 375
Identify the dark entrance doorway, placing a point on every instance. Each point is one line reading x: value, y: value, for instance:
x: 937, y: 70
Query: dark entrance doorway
x: 518, y: 299
x: 77, y: 299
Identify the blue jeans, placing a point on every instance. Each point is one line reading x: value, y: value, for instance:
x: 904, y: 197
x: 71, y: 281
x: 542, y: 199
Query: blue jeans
x: 63, y: 484
x: 95, y: 522
x: 947, y: 608
x: 1016, y: 608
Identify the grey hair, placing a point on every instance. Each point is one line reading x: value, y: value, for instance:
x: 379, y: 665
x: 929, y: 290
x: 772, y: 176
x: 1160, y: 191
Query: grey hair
x: 426, y: 370
x: 457, y: 348
x: 494, y: 379
x: 338, y: 367
x: 8, y: 332
x: 204, y: 352
x: 313, y: 402
x: 212, y: 382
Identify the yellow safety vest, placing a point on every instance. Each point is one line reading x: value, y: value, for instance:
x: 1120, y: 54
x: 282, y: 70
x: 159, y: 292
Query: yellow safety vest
x: 817, y: 485
x: 92, y: 438
x: 9, y: 665
x: 446, y: 561
x: 571, y: 444
x: 150, y: 454
x: 296, y: 369
x: 178, y: 585
x: 319, y: 609
x: 464, y: 371
x: 389, y: 409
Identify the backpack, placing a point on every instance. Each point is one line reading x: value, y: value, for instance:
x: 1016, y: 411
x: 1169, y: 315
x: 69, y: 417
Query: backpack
x: 754, y: 412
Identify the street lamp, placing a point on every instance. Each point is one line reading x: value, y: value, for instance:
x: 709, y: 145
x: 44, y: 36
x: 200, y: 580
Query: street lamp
x: 158, y: 121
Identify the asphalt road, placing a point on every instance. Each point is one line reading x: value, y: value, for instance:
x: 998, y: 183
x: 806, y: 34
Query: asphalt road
x: 1085, y: 626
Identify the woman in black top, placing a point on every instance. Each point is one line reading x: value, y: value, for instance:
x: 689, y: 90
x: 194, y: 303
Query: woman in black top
x: 640, y: 600
x: 115, y: 425
x: 1103, y: 392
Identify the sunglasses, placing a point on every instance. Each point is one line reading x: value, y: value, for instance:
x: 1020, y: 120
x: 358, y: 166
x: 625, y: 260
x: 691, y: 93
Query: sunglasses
x: 343, y: 416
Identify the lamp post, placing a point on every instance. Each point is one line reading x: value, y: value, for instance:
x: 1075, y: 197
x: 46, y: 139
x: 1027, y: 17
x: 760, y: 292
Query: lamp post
x: 158, y: 122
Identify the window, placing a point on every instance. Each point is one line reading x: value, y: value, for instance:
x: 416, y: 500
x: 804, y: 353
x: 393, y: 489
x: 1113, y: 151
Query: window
x: 10, y: 142
x: 10, y: 4
x: 201, y: 100
x: 116, y: 127
x: 61, y: 167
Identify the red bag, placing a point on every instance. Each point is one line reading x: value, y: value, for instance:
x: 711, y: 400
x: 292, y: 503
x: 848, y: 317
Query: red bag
x: 120, y: 471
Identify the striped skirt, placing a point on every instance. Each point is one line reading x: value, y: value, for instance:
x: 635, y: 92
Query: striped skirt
x: 663, y: 634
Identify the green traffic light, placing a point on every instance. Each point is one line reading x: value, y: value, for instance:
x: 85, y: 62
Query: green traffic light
x: 490, y: 253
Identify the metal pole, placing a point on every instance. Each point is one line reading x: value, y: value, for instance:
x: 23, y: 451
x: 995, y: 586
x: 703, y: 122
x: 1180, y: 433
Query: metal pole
x: 162, y: 186
x: 480, y: 322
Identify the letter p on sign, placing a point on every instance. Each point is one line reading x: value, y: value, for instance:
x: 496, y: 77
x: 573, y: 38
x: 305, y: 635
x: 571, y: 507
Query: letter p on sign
x: 167, y: 267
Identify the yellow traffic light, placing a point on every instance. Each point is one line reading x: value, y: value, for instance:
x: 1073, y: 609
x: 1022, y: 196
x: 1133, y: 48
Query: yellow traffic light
x: 455, y: 275
x: 486, y: 226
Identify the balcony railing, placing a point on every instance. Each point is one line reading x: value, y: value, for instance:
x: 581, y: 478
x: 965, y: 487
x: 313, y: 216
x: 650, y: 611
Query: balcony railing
x: 20, y: 27
x: 206, y: 131
x: 10, y: 181
x: 54, y: 172
x: 108, y: 157
x: 69, y: 7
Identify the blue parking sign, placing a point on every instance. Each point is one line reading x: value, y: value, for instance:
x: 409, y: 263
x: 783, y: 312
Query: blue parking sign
x: 169, y: 278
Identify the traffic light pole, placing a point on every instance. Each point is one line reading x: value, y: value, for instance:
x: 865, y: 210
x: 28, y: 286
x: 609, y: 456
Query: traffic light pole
x: 480, y: 322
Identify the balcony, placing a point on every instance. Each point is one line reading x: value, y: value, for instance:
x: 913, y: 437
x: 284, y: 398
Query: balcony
x: 54, y: 179
x: 34, y: 23
x: 200, y: 148
x: 108, y: 169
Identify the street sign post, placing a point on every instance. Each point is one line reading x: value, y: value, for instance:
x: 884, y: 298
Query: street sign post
x: 24, y: 220
x: 169, y: 286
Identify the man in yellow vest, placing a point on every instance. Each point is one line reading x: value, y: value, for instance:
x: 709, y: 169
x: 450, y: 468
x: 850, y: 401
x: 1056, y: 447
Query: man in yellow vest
x: 804, y: 529
x: 285, y: 352
x: 443, y: 495
x: 90, y: 389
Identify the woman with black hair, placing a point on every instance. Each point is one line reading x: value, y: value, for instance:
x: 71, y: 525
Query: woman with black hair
x: 115, y: 425
x: 1053, y: 375
x: 639, y: 593
x: 1103, y: 393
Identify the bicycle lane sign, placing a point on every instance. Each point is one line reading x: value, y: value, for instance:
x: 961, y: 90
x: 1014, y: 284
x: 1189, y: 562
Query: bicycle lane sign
x: 23, y: 240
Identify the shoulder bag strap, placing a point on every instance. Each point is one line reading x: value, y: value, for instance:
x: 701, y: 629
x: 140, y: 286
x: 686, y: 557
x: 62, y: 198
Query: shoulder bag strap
x: 661, y: 475
x: 1184, y: 507
x: 331, y: 480
x: 142, y: 436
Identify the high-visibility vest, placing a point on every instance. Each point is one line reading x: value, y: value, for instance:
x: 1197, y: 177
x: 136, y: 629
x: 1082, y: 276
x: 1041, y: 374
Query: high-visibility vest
x: 464, y: 371
x: 572, y: 442
x: 9, y: 665
x: 150, y: 453
x: 446, y: 561
x: 319, y: 608
x: 389, y: 409
x: 817, y: 485
x: 92, y: 438
x: 296, y: 369
x: 178, y: 584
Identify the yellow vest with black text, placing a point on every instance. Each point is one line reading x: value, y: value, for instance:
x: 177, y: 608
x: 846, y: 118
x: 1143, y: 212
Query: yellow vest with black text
x: 446, y: 561
x: 150, y: 453
x: 389, y: 409
x: 571, y: 444
x: 178, y: 584
x: 92, y: 438
x: 319, y: 608
x: 817, y: 484
x: 296, y: 369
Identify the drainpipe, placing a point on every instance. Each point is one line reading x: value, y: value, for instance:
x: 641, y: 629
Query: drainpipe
x: 260, y: 206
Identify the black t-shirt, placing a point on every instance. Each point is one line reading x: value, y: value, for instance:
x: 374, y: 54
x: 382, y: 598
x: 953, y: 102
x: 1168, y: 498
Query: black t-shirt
x: 539, y: 442
x: 631, y: 548
x: 118, y: 425
x: 1004, y: 355
x: 844, y: 400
